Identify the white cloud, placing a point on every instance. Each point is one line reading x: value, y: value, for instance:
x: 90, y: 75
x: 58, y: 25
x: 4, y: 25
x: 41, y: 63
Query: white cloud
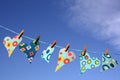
x: 101, y: 17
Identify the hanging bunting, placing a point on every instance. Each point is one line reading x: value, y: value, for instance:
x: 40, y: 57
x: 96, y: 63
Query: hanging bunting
x: 30, y: 50
x: 108, y: 62
x: 86, y: 62
x: 46, y: 54
x: 65, y: 57
x: 11, y: 43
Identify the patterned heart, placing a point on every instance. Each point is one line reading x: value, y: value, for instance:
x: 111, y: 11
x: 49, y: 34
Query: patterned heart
x: 46, y: 54
x: 86, y: 63
x: 11, y: 44
x: 29, y: 50
x: 65, y: 58
x: 108, y: 62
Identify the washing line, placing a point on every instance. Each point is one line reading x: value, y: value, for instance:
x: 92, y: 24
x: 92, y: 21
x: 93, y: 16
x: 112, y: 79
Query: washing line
x: 43, y: 42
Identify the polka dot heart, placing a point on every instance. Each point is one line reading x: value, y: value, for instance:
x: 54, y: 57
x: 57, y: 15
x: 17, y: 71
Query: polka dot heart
x: 86, y: 63
x: 64, y: 58
x: 11, y: 44
x: 108, y: 62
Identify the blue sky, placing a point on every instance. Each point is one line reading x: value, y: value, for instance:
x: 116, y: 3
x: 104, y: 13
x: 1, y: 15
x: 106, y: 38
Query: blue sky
x: 78, y: 22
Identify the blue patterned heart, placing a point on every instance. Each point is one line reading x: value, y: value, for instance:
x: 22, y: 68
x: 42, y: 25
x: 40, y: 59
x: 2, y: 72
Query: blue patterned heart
x: 29, y: 50
x: 46, y: 54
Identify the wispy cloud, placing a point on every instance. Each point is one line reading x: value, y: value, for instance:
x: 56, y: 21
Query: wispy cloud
x: 102, y: 17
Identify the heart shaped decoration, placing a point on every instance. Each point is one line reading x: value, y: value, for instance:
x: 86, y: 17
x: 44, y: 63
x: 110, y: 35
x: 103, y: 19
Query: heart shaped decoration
x: 46, y: 54
x: 65, y: 58
x: 108, y: 62
x: 11, y: 43
x: 30, y: 50
x: 86, y: 62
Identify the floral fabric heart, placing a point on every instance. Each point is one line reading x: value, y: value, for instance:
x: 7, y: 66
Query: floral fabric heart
x: 46, y: 54
x: 86, y: 63
x: 64, y: 58
x: 11, y: 44
x: 30, y: 50
x: 108, y: 62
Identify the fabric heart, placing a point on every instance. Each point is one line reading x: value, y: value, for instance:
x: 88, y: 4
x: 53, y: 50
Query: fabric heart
x: 86, y: 63
x: 29, y: 50
x: 11, y: 44
x: 64, y: 58
x: 108, y: 62
x: 46, y: 54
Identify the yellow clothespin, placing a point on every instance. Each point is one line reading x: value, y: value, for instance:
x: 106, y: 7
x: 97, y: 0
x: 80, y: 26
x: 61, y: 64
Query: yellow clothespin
x: 84, y: 51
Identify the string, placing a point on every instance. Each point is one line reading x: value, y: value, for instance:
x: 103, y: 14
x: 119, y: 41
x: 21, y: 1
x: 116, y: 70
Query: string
x: 43, y: 42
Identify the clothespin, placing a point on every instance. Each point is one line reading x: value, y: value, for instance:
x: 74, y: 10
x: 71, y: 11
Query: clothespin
x: 37, y: 39
x: 21, y: 33
x: 67, y: 47
x: 84, y: 51
x: 106, y: 51
x: 53, y: 44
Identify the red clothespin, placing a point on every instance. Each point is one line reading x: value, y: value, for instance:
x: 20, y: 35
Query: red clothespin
x: 84, y: 51
x: 37, y: 39
x: 106, y: 52
x: 67, y: 47
x: 21, y: 33
x: 53, y: 44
